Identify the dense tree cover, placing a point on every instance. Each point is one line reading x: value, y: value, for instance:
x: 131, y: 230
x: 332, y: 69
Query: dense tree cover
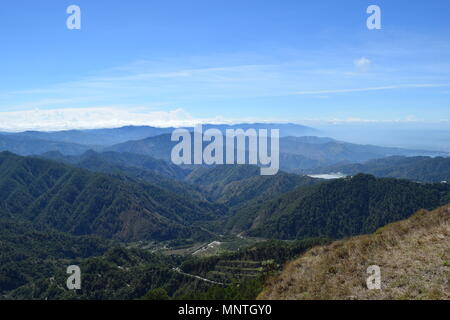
x: 156, y: 294
x: 271, y: 250
x: 248, y: 289
x: 54, y: 214
x: 27, y: 254
x: 137, y: 167
x: 241, y: 185
x: 339, y: 208
x: 109, y: 161
x: 81, y: 202
x: 123, y: 273
x: 221, y: 175
x: 424, y: 169
x: 118, y: 274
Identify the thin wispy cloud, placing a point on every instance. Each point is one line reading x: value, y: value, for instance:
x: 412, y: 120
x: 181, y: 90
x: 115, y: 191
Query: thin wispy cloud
x: 405, y: 86
x: 283, y: 84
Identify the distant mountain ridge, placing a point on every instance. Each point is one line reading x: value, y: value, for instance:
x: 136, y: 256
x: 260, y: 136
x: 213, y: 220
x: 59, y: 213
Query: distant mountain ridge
x: 31, y: 146
x: 299, y: 148
x: 95, y: 137
x: 425, y: 169
x: 111, y: 136
x: 296, y: 153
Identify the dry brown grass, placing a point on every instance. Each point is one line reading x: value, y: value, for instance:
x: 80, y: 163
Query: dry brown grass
x: 414, y: 257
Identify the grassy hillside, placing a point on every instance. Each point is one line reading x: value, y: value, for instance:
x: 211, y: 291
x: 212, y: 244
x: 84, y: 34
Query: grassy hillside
x: 414, y: 257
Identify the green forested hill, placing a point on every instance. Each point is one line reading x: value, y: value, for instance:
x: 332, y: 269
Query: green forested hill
x: 138, y: 167
x: 222, y: 174
x: 339, y: 208
x: 425, y: 169
x: 131, y: 273
x: 53, y: 214
x: 242, y: 185
x: 27, y: 254
x: 118, y: 274
x: 82, y: 202
x: 110, y: 161
x: 260, y: 188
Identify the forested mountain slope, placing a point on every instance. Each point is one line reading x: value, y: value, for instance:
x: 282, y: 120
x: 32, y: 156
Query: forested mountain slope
x: 339, y: 208
x: 27, y: 253
x: 242, y: 185
x: 425, y: 169
x: 138, y: 167
x: 83, y: 203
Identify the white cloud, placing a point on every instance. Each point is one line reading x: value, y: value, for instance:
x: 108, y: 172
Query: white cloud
x: 87, y: 118
x: 113, y: 117
x: 362, y: 64
x: 106, y: 117
x: 407, y: 119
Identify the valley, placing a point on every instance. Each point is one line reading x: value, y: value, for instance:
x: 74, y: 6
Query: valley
x: 141, y: 227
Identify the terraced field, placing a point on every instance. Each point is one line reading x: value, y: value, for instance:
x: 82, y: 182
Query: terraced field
x: 229, y: 270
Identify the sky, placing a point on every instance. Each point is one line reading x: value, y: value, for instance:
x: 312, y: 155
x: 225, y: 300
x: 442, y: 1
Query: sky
x: 169, y: 63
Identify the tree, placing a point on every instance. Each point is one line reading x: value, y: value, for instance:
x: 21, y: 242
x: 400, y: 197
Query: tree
x: 156, y: 294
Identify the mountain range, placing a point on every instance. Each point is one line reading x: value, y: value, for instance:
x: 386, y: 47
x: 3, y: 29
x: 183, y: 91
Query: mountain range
x: 111, y: 200
x: 81, y: 202
x: 107, y: 137
x: 424, y: 169
x: 114, y: 204
x: 296, y: 153
x: 338, y: 208
x: 298, y: 149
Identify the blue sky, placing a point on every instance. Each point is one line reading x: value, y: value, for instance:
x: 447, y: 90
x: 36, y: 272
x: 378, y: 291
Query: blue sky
x: 179, y: 62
